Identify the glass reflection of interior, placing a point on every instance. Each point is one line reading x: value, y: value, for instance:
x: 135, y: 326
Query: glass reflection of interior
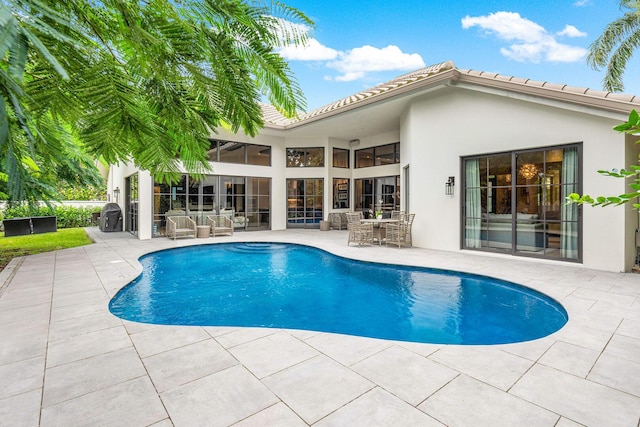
x: 514, y: 202
x: 245, y: 200
x: 304, y: 202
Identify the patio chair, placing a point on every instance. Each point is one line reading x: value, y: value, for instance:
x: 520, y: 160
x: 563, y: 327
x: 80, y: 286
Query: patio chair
x: 220, y: 224
x: 396, y: 214
x: 338, y: 220
x: 180, y: 226
x: 400, y: 233
x: 359, y: 233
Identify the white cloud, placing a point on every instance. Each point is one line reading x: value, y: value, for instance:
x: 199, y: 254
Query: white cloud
x: 313, y: 51
x: 582, y: 3
x: 571, y: 31
x: 531, y: 41
x: 356, y: 63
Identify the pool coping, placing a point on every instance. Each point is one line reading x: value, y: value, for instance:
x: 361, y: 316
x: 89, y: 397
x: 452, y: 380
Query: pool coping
x: 66, y: 356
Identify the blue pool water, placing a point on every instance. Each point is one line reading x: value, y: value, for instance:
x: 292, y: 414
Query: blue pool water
x: 298, y: 287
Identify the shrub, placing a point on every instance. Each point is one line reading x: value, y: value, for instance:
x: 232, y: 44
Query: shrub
x: 68, y: 216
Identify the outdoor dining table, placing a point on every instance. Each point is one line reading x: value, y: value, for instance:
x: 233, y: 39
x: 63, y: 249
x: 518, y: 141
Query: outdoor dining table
x: 379, y: 231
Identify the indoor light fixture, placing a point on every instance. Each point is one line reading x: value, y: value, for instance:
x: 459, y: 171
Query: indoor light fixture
x: 528, y: 170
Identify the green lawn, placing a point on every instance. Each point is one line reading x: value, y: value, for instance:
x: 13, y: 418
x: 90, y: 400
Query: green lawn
x: 11, y: 247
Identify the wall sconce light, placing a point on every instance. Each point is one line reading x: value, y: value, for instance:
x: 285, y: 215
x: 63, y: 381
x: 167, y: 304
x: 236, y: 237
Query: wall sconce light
x: 116, y: 193
x: 354, y: 143
x: 448, y: 186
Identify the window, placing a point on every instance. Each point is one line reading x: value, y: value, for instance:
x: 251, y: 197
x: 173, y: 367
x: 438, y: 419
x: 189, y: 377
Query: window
x: 304, y: 203
x: 514, y: 203
x: 246, y: 200
x: 340, y: 193
x: 374, y: 194
x: 239, y: 152
x: 305, y: 157
x: 340, y: 158
x: 378, y: 156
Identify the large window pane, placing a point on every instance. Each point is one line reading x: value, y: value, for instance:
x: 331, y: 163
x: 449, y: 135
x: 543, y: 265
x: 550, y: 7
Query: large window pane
x: 340, y: 193
x: 377, y: 156
x: 377, y: 194
x: 364, y: 158
x: 315, y: 157
x: 304, y: 202
x: 385, y: 155
x: 258, y: 155
x: 258, y: 203
x: 340, y: 158
x: 232, y: 152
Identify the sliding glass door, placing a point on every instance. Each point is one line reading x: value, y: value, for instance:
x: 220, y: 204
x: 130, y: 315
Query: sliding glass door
x: 516, y: 203
x: 304, y: 203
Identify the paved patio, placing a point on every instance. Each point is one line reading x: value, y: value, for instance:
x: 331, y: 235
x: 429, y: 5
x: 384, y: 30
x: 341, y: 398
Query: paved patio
x: 66, y: 361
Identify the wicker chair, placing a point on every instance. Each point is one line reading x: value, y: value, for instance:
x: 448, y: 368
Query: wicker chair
x: 338, y: 220
x: 400, y: 233
x: 220, y: 224
x: 180, y: 226
x: 359, y: 233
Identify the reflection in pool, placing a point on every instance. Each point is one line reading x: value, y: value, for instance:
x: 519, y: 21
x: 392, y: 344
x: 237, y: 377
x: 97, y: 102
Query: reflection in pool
x: 290, y: 286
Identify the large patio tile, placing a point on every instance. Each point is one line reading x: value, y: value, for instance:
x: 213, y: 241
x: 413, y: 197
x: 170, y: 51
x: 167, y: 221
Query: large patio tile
x: 243, y: 335
x: 622, y: 301
x: 407, y: 375
x: 624, y: 347
x: 317, y: 387
x: 347, y: 349
x: 615, y: 372
x: 419, y: 348
x: 578, y: 399
x: 584, y: 336
x: 270, y: 354
x: 90, y: 344
x: 629, y: 328
x: 176, y: 367
x: 88, y: 375
x: 570, y: 358
x: 377, y: 408
x: 14, y: 349
x: 220, y: 399
x: 607, y: 322
x: 487, y: 364
x: 163, y: 338
x: 469, y: 402
x: 25, y: 298
x: 89, y: 296
x: 531, y: 350
x: 23, y: 314
x: 22, y: 410
x: 21, y: 377
x: 276, y: 415
x: 79, y: 310
x: 131, y: 403
x: 82, y: 325
x: 564, y: 422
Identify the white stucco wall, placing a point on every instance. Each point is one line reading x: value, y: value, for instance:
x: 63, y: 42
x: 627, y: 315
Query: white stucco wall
x: 458, y: 122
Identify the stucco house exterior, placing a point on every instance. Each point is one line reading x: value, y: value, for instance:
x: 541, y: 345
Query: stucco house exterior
x: 485, y: 161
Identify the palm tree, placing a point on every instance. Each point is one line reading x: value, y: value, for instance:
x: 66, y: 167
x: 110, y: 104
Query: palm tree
x: 616, y: 45
x: 134, y: 81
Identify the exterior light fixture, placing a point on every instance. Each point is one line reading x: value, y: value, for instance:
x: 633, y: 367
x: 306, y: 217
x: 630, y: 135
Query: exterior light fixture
x: 116, y: 193
x: 449, y: 185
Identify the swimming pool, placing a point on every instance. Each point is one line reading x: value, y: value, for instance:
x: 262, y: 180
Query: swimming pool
x: 280, y: 285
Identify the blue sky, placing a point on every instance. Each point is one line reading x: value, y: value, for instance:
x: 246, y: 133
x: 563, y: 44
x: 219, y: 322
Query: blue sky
x: 359, y: 44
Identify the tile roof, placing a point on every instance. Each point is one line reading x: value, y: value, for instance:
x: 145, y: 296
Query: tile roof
x: 617, y: 102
